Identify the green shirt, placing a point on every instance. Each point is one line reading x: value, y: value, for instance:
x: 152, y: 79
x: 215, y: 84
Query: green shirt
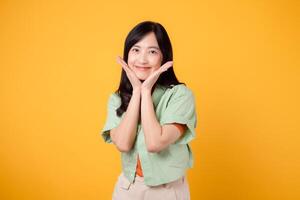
x: 172, y: 105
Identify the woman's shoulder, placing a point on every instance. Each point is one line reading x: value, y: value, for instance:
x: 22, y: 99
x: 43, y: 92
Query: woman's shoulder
x: 115, y: 98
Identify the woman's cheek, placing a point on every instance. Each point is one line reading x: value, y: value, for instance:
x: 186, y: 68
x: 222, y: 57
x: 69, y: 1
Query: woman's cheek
x: 130, y: 65
x: 153, y: 69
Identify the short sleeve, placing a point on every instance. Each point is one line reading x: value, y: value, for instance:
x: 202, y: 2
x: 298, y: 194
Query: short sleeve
x: 181, y: 109
x: 112, y: 120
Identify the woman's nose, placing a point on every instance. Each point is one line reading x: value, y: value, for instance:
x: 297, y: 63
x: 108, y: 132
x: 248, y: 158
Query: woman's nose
x: 143, y: 58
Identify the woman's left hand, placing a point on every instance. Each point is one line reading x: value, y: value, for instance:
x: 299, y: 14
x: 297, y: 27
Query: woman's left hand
x: 149, y: 82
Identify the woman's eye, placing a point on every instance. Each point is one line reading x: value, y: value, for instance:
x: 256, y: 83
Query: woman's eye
x: 135, y: 50
x: 153, y: 52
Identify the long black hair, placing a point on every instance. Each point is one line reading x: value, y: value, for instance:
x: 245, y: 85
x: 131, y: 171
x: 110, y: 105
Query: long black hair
x: 167, y: 79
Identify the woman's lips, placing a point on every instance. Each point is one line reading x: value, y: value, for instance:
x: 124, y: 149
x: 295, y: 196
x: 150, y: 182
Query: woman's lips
x: 142, y: 68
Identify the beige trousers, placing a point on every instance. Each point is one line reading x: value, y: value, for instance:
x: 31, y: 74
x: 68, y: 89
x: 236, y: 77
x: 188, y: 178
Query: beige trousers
x: 176, y: 190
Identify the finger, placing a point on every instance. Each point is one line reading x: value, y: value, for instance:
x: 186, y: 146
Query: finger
x: 129, y: 72
x: 166, y: 66
x: 122, y: 61
x: 123, y: 64
x: 163, y: 68
x: 119, y: 60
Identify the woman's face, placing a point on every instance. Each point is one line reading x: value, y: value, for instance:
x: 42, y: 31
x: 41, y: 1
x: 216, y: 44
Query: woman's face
x: 145, y: 57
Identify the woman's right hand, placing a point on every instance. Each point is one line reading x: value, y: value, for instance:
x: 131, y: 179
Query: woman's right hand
x: 135, y: 82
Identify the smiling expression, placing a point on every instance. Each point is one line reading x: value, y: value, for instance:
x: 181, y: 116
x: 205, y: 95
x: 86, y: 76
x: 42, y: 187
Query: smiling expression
x: 145, y: 56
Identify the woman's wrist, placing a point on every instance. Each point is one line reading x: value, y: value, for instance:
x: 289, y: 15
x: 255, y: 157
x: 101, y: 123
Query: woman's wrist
x: 145, y: 92
x: 136, y: 91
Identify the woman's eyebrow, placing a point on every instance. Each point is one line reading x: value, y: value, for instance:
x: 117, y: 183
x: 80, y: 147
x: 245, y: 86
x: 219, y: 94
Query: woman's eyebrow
x: 155, y: 47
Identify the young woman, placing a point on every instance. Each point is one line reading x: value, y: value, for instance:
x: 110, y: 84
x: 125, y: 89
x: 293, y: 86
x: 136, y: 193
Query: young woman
x: 151, y: 119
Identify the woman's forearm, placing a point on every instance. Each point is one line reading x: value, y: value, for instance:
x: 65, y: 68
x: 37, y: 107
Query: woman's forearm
x: 124, y: 135
x: 151, y: 127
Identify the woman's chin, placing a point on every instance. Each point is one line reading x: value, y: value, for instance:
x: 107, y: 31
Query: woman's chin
x: 142, y: 78
x: 142, y: 75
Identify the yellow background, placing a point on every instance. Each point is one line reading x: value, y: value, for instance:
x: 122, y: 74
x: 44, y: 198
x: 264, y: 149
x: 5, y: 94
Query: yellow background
x: 57, y: 62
